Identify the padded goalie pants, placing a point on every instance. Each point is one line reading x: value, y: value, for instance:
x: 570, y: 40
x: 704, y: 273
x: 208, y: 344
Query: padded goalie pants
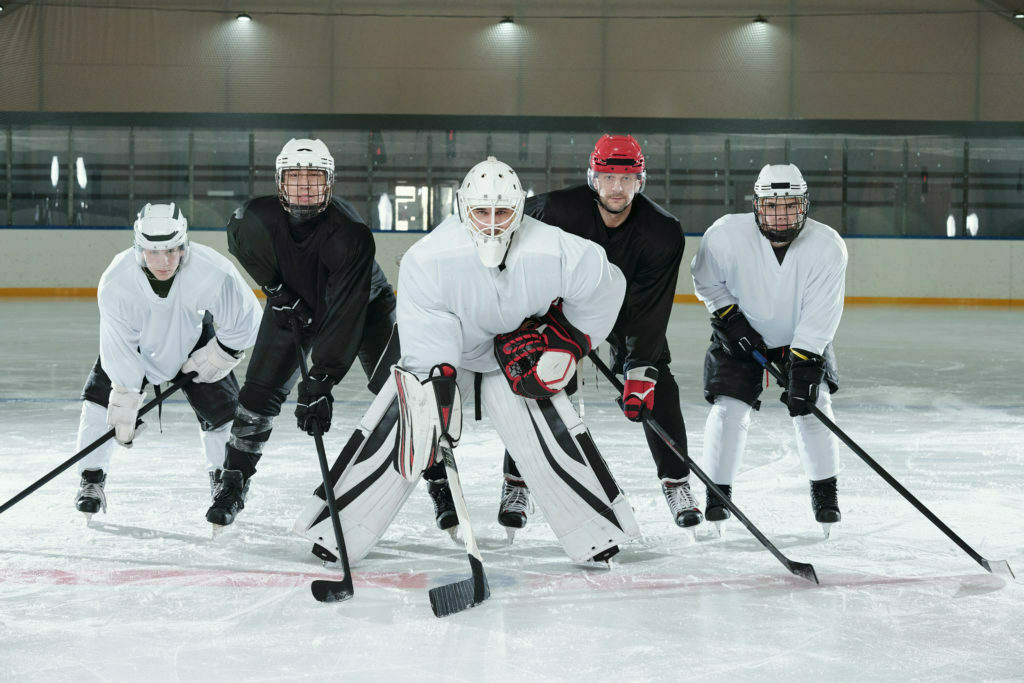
x: 570, y: 481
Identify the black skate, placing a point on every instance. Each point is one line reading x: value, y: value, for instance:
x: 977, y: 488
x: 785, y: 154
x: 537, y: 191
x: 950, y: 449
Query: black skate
x: 515, y: 505
x: 825, y: 502
x: 228, y: 498
x: 91, y: 498
x: 444, y: 507
x: 715, y: 510
x: 681, y: 502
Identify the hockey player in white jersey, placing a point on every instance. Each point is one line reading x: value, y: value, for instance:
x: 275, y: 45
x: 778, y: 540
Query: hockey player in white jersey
x: 475, y: 310
x: 158, y: 303
x: 774, y: 282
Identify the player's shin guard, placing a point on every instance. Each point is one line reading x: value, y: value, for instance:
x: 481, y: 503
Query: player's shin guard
x: 569, y: 479
x: 249, y: 433
x: 371, y: 491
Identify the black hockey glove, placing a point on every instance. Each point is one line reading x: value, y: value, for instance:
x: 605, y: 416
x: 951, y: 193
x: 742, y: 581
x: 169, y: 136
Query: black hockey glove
x: 731, y: 329
x: 806, y: 372
x: 315, y: 404
x: 287, y: 306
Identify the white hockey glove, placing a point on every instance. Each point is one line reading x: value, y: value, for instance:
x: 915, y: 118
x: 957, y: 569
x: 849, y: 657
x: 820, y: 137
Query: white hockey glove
x: 211, y: 363
x: 122, y: 413
x: 429, y: 411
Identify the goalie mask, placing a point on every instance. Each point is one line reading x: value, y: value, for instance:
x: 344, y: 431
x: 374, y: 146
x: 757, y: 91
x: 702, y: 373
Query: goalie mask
x: 162, y: 231
x: 491, y: 201
x: 780, y: 203
x: 617, y: 171
x: 305, y: 176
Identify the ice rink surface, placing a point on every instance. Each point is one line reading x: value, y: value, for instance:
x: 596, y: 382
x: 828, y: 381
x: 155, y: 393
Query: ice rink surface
x: 145, y: 593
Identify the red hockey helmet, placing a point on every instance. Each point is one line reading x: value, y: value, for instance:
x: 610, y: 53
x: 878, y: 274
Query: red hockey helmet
x: 617, y: 154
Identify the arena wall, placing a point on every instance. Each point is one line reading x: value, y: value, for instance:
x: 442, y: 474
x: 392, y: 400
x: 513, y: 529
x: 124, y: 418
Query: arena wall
x: 59, y: 261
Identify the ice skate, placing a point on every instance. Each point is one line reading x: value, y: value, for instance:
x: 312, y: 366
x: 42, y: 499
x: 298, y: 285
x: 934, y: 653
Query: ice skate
x: 228, y: 499
x: 91, y: 497
x: 682, y: 504
x: 825, y: 502
x: 444, y: 507
x: 715, y: 510
x: 515, y: 505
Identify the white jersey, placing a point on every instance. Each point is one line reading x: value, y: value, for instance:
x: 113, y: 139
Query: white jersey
x: 451, y: 306
x: 143, y: 335
x: 795, y: 303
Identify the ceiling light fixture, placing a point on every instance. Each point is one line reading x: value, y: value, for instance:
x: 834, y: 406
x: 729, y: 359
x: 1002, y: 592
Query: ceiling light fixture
x: 507, y: 20
x: 242, y: 16
x: 760, y: 19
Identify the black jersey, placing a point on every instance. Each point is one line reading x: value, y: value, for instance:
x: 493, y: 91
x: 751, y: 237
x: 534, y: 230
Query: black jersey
x: 647, y: 247
x: 328, y: 261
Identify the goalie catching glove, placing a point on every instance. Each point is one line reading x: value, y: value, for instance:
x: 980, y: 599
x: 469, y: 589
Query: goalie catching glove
x: 539, y: 359
x: 430, y: 416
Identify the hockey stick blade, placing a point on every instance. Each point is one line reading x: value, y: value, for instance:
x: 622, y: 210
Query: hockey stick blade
x: 803, y: 570
x: 1000, y: 568
x: 332, y: 591
x: 461, y: 595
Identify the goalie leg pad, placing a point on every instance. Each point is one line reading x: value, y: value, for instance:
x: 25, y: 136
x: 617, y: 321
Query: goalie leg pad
x: 430, y: 409
x: 370, y: 493
x: 571, y: 483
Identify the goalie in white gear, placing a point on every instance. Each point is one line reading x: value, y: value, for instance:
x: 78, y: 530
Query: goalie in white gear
x: 476, y: 295
x: 158, y: 303
x: 774, y: 282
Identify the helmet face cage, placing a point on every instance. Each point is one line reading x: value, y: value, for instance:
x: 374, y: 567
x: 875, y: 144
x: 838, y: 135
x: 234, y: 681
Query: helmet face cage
x: 491, y: 185
x: 787, y: 217
x: 160, y: 227
x: 313, y: 157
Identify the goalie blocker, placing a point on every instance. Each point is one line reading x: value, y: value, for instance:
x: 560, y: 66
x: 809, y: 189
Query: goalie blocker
x: 398, y: 437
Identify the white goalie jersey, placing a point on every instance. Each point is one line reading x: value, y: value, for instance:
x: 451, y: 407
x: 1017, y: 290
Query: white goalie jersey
x: 450, y: 306
x: 145, y: 336
x: 798, y: 302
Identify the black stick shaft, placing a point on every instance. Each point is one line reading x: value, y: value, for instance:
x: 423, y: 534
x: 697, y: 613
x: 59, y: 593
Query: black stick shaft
x: 801, y: 569
x: 174, y: 386
x: 889, y: 479
x: 318, y: 439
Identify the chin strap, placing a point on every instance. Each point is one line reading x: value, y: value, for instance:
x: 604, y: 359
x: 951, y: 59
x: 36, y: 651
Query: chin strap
x: 501, y: 266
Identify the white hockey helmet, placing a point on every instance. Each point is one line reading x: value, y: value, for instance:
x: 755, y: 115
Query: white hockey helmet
x: 161, y: 227
x: 305, y: 154
x: 780, y: 221
x: 491, y: 185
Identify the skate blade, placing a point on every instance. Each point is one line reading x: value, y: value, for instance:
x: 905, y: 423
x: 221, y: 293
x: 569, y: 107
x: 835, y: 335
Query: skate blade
x: 88, y: 518
x: 510, y: 534
x: 600, y: 565
x: 453, y: 533
x: 826, y: 528
x: 718, y: 528
x: 216, y: 530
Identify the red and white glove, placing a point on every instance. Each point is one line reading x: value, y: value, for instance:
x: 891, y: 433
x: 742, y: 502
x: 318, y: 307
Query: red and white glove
x: 539, y: 359
x: 638, y: 392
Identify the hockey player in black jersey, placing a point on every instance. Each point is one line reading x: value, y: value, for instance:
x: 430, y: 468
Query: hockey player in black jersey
x: 646, y: 243
x: 313, y: 257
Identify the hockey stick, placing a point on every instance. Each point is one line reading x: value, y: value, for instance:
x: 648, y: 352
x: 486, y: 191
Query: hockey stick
x: 455, y: 597
x: 801, y: 569
x: 325, y: 590
x: 1000, y: 567
x: 171, y: 388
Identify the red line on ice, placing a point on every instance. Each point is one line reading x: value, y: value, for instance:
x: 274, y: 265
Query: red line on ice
x: 208, y: 577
